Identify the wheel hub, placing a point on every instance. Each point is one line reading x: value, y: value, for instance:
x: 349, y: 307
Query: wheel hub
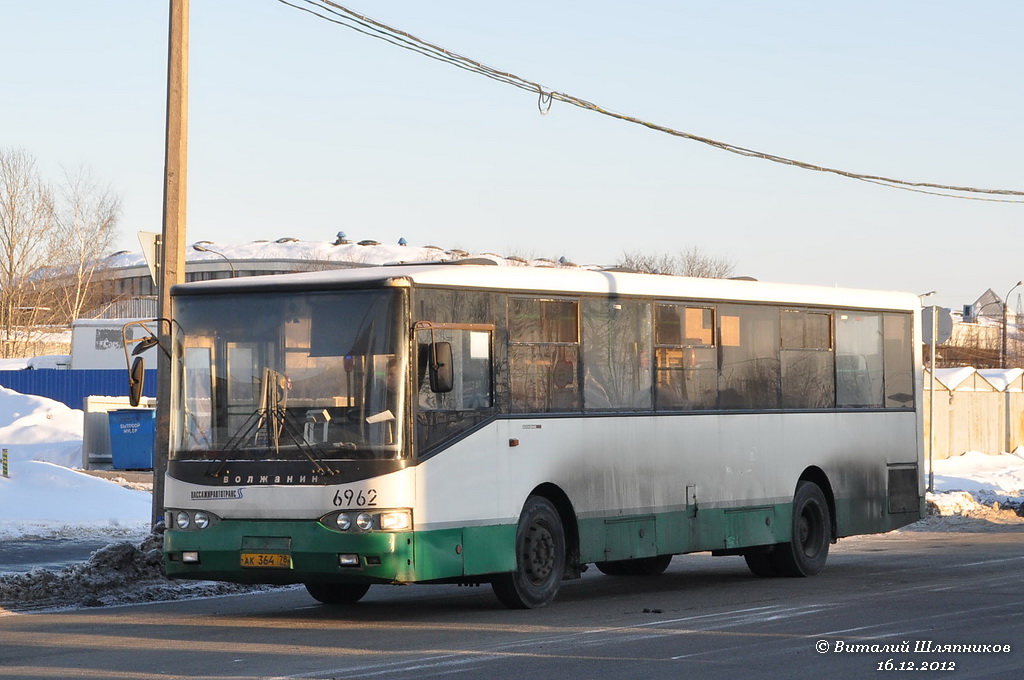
x: 809, y: 533
x: 540, y: 553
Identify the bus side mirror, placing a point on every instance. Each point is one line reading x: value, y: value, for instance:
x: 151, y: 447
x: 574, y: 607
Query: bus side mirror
x: 442, y: 378
x: 136, y: 376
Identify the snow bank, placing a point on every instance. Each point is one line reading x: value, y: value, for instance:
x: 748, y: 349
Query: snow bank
x: 120, y: 573
x: 952, y: 503
x: 47, y: 500
x: 975, y: 492
x: 43, y: 496
x: 37, y: 428
x: 987, y: 479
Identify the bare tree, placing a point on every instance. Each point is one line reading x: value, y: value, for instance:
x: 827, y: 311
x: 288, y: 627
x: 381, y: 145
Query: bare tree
x: 695, y: 262
x: 26, y: 222
x: 85, y: 228
x: 51, y: 248
x: 520, y: 257
x: 647, y: 263
x: 690, y: 262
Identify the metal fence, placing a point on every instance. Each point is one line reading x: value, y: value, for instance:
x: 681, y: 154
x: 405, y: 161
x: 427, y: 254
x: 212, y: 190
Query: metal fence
x: 975, y: 410
x: 71, y: 387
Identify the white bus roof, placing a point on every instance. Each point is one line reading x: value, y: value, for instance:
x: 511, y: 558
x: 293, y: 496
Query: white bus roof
x: 557, y: 281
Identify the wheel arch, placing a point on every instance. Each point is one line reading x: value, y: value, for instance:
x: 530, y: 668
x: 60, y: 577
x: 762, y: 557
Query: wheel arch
x: 818, y: 477
x: 567, y: 514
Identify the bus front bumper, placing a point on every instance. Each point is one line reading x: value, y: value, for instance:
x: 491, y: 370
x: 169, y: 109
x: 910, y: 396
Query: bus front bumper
x: 284, y: 552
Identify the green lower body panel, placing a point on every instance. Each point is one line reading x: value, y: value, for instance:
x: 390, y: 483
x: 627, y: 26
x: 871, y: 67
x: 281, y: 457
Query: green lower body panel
x: 283, y: 552
x: 872, y: 516
x: 489, y: 549
x: 685, y: 531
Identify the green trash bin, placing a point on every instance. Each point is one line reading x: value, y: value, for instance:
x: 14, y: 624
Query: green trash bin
x: 131, y: 438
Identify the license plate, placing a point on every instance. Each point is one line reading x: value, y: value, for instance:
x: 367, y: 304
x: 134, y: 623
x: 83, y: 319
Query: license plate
x: 266, y: 561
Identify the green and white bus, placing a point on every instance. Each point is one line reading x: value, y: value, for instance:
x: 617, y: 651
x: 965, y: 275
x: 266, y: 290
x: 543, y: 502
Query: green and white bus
x: 465, y: 423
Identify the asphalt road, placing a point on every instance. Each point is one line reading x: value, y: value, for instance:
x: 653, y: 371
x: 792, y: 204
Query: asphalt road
x: 18, y: 557
x: 883, y: 597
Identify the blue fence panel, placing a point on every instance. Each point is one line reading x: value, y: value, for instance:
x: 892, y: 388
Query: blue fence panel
x: 72, y: 387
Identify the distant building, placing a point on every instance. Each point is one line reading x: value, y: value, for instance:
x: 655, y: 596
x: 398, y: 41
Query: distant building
x: 978, y: 335
x: 123, y: 286
x: 126, y: 288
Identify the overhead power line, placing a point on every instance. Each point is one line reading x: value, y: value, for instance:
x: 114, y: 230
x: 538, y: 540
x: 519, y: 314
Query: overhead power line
x: 338, y: 14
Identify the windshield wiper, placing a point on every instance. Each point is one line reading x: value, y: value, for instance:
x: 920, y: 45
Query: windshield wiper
x: 269, y: 423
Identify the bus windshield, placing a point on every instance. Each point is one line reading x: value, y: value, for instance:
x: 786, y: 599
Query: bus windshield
x: 289, y: 375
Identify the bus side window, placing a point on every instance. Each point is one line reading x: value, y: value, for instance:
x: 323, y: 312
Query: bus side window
x: 544, y: 353
x: 859, y: 369
x: 749, y: 374
x: 617, y: 367
x: 686, y: 361
x: 898, y: 360
x: 808, y: 359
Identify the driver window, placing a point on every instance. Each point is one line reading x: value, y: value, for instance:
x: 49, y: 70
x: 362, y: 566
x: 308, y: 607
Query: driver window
x: 198, y: 398
x: 471, y: 364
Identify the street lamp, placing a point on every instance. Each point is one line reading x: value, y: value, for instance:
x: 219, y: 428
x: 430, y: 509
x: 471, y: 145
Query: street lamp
x: 1006, y: 302
x: 203, y: 249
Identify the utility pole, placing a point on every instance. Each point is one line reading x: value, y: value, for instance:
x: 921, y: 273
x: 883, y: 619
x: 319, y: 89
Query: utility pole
x: 931, y: 400
x: 172, y: 252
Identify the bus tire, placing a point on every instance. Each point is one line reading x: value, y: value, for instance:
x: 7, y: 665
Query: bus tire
x: 612, y: 567
x: 641, y: 566
x: 540, y: 558
x: 762, y: 563
x: 337, y: 593
x: 650, y: 566
x: 806, y: 552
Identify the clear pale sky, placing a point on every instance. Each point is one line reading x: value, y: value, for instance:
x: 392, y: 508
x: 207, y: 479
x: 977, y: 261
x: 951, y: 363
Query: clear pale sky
x: 302, y: 128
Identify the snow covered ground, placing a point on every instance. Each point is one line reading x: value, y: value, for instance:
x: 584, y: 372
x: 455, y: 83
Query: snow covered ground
x: 45, y: 497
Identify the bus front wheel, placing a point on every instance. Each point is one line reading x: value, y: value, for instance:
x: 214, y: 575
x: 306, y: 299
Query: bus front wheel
x: 337, y: 593
x: 540, y: 558
x: 806, y: 552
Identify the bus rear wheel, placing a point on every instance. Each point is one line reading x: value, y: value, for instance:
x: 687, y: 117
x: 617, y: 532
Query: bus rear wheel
x: 807, y: 551
x: 337, y: 593
x: 641, y: 566
x: 762, y: 563
x: 540, y: 558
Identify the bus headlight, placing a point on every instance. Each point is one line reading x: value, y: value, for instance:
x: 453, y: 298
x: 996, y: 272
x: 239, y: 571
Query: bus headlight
x: 363, y: 521
x: 395, y: 521
x: 182, y: 520
x: 190, y: 520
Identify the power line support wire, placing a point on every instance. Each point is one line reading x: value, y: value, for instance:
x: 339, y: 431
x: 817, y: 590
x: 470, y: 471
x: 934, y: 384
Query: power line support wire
x: 343, y: 16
